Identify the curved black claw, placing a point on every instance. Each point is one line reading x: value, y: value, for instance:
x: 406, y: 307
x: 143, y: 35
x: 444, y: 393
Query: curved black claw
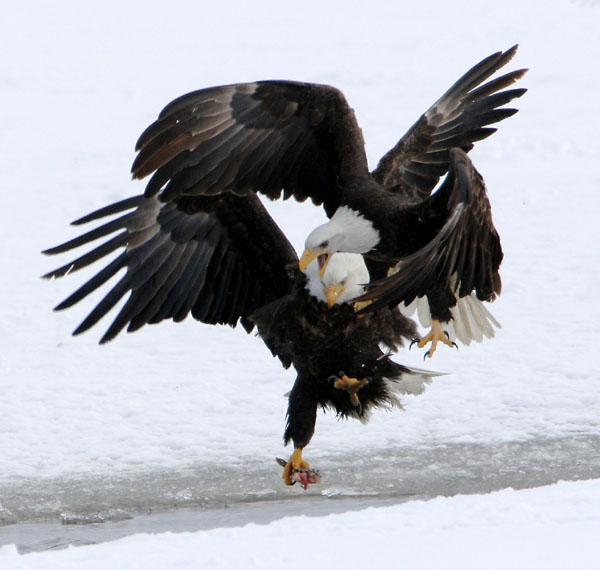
x: 333, y: 377
x: 413, y: 341
x: 426, y: 354
x: 448, y: 337
x: 359, y: 409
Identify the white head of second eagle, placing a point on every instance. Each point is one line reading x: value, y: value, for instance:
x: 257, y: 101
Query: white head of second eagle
x: 343, y: 279
x: 347, y: 230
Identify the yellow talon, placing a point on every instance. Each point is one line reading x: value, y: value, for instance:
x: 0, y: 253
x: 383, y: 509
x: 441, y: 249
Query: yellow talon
x: 361, y: 305
x: 352, y: 386
x: 435, y: 335
x: 295, y: 462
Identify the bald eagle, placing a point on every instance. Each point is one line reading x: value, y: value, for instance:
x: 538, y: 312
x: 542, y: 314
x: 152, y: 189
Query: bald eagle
x: 303, y: 140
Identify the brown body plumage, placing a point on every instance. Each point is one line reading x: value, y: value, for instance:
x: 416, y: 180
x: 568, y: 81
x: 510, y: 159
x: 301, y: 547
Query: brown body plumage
x: 320, y: 343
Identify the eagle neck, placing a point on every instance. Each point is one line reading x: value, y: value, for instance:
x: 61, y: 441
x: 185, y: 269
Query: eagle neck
x: 370, y: 205
x: 360, y: 235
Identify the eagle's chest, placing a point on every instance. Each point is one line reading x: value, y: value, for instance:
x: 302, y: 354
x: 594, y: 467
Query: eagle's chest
x: 335, y: 333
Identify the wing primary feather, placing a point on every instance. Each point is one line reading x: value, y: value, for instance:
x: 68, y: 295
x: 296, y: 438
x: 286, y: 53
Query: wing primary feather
x: 173, y: 143
x: 183, y: 161
x: 144, y: 270
x: 116, y: 208
x: 214, y: 296
x: 182, y: 120
x: 179, y: 290
x: 230, y: 314
x: 95, y: 282
x: 488, y: 89
x: 214, y: 270
x: 90, y: 257
x: 217, y: 94
x: 92, y: 235
x: 146, y: 290
x: 480, y: 72
x: 185, y: 303
x: 153, y: 307
x: 109, y: 301
x: 464, y: 139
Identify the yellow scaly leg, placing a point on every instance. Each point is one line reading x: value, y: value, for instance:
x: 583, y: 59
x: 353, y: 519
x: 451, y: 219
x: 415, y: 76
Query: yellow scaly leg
x: 436, y: 334
x: 295, y: 462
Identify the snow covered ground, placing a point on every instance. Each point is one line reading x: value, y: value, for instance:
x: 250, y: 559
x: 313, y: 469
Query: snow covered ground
x: 79, y: 83
x: 548, y: 527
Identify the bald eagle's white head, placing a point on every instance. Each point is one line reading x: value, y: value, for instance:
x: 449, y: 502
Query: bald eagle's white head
x: 347, y: 231
x: 343, y: 279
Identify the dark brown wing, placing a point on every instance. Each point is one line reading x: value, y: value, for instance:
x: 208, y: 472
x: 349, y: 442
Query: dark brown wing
x: 458, y: 119
x: 463, y: 256
x: 219, y: 257
x: 253, y: 137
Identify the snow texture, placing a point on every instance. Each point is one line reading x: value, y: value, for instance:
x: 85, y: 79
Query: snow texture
x: 549, y: 527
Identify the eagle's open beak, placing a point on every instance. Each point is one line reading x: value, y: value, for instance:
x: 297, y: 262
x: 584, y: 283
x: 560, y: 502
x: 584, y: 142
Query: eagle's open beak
x: 333, y: 293
x: 307, y: 258
x: 323, y: 260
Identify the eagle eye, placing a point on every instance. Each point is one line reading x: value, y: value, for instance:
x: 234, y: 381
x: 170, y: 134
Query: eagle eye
x: 324, y: 244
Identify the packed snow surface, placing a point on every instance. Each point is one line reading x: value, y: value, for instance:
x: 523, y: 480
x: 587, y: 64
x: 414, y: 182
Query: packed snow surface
x: 80, y: 81
x: 552, y: 527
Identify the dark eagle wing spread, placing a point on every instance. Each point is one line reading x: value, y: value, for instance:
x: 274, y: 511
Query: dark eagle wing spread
x: 218, y: 257
x: 464, y: 255
x: 457, y: 120
x: 263, y: 137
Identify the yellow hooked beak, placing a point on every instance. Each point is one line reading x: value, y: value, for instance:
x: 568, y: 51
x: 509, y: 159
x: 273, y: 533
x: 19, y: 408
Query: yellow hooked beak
x: 333, y: 293
x: 309, y: 256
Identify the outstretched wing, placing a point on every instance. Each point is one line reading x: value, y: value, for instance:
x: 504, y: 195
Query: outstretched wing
x: 457, y: 120
x: 253, y: 137
x: 462, y: 257
x: 219, y: 257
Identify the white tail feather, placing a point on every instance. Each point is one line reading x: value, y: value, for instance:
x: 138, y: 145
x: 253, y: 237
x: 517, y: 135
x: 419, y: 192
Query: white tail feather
x: 471, y: 321
x: 421, y: 306
x: 481, y: 323
x: 412, y: 382
x: 462, y: 312
x: 424, y: 312
x: 408, y: 310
